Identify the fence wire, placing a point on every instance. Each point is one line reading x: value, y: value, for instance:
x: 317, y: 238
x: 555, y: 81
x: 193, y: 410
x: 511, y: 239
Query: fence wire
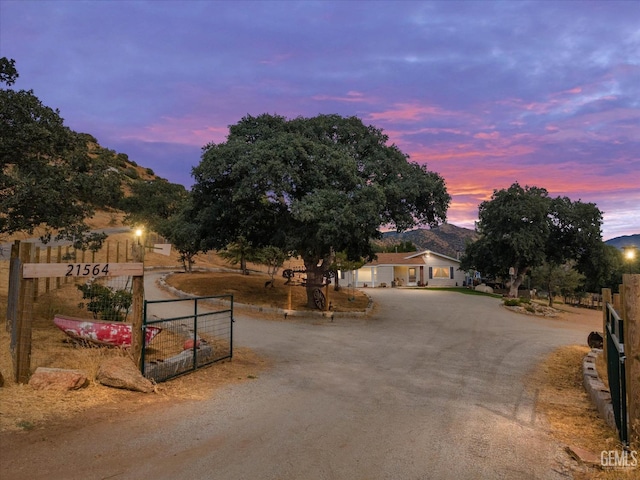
x: 107, y: 298
x: 182, y: 335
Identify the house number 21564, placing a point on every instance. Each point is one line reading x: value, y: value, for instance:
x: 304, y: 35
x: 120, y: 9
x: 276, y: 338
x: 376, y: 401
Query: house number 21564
x: 87, y: 269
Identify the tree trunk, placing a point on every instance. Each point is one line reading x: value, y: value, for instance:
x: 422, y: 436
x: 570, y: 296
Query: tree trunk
x: 243, y: 265
x: 315, y: 280
x: 515, y: 284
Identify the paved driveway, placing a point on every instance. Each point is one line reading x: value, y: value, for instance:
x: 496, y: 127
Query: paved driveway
x: 430, y: 387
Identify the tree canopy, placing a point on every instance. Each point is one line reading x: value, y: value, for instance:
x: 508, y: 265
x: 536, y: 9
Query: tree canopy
x: 47, y: 177
x: 311, y: 187
x: 154, y: 201
x: 183, y: 231
x: 522, y: 228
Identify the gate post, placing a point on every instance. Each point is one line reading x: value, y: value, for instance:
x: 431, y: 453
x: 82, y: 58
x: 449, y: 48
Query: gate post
x: 22, y: 354
x: 606, y: 298
x: 15, y: 277
x: 631, y: 307
x: 137, y: 307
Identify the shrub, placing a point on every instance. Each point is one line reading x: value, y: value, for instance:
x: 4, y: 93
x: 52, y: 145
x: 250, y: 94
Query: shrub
x: 511, y: 302
x: 132, y: 173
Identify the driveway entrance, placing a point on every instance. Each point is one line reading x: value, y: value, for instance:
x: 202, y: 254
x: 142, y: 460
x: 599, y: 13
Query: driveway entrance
x: 430, y: 387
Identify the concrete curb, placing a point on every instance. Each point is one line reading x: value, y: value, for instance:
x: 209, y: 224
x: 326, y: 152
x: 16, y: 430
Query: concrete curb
x: 600, y: 395
x: 257, y: 308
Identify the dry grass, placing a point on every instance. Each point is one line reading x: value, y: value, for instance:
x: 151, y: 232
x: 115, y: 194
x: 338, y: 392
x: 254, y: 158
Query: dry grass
x: 250, y: 289
x: 562, y: 397
x: 572, y: 417
x: 22, y: 408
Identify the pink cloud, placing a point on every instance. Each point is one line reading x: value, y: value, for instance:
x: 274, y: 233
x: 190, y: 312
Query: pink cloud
x: 487, y: 136
x: 409, y: 112
x: 352, y: 96
x: 187, y: 130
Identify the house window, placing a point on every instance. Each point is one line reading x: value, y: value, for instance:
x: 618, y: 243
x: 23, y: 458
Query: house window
x: 412, y: 275
x: 441, y: 272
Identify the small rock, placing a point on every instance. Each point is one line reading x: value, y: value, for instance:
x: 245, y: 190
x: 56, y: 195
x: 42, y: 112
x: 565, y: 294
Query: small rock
x: 121, y: 372
x: 483, y: 288
x: 58, y: 379
x: 583, y: 456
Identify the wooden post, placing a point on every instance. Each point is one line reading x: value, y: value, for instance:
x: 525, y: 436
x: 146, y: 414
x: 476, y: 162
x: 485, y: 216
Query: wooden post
x: 13, y: 293
x: 47, y: 281
x: 59, y: 260
x: 25, y: 320
x: 326, y: 289
x: 66, y: 255
x: 137, y: 307
x: 616, y: 303
x: 631, y: 297
x: 118, y: 251
x: 126, y: 251
x: 36, y: 282
x: 107, y: 246
x: 606, y: 298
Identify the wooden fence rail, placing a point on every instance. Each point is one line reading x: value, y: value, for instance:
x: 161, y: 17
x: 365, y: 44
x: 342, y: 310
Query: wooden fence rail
x: 27, y: 271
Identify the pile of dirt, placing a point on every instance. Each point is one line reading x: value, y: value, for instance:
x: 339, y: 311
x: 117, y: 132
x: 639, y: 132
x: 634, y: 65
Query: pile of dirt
x: 534, y: 309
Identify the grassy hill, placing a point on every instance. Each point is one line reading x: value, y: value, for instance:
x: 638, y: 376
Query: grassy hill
x: 625, y: 241
x: 446, y: 239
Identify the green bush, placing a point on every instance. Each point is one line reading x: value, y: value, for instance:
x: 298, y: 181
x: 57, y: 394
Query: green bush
x: 132, y: 173
x: 511, y: 302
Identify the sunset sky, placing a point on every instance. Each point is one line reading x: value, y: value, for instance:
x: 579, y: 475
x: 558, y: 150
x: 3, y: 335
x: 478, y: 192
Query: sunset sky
x: 487, y: 93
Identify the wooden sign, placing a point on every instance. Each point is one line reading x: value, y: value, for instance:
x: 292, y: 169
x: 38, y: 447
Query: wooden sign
x: 84, y: 270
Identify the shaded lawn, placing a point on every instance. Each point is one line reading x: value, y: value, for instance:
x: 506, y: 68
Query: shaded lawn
x: 251, y: 290
x: 466, y: 291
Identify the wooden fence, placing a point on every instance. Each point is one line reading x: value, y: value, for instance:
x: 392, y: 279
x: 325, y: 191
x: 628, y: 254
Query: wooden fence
x: 111, y: 252
x: 30, y: 277
x: 627, y: 305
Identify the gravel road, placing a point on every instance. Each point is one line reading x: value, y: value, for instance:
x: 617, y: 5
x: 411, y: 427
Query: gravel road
x: 430, y: 387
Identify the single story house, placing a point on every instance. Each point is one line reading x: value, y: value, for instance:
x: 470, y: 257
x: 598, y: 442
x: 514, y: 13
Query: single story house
x: 426, y: 268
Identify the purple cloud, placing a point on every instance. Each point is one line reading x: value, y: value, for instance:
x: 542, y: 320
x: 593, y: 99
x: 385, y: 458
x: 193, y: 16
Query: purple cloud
x: 487, y: 93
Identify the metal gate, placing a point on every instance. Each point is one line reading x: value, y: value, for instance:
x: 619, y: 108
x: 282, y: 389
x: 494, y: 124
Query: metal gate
x: 184, y: 334
x: 616, y: 371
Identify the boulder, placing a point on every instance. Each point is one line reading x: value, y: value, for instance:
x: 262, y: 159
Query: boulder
x: 121, y: 372
x: 58, y: 379
x: 484, y: 288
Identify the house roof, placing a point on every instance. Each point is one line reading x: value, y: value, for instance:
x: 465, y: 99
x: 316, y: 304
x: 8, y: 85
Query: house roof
x: 411, y: 258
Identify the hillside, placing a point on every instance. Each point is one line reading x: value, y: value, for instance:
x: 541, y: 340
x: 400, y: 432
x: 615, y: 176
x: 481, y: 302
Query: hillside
x: 624, y: 241
x: 451, y: 240
x: 446, y: 239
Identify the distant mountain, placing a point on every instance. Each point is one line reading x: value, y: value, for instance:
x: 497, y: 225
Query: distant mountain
x: 624, y: 241
x: 451, y: 240
x: 446, y: 239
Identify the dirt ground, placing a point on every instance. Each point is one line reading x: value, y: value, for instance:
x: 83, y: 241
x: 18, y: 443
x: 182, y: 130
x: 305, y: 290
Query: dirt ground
x: 572, y: 418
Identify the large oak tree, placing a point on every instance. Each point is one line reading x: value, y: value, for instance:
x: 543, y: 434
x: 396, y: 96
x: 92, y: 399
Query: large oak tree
x: 311, y: 187
x: 522, y: 228
x: 47, y: 176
